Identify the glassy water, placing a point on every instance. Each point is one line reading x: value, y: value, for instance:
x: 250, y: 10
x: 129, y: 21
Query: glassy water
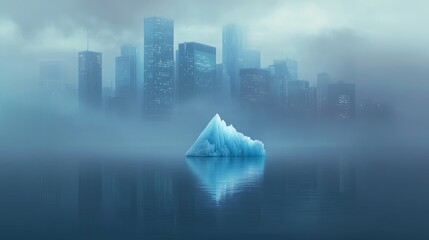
x: 303, y: 194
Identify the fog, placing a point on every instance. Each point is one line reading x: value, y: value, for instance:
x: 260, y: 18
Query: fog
x: 381, y: 46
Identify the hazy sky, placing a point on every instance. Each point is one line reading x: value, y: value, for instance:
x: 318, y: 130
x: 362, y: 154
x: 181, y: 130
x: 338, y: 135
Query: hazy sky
x: 380, y: 43
x: 382, y: 46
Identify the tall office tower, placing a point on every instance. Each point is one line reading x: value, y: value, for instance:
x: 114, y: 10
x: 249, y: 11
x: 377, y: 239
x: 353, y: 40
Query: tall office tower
x: 280, y: 86
x: 292, y: 69
x: 299, y: 98
x: 176, y: 76
x: 312, y: 101
x: 222, y: 85
x: 323, y: 81
x: 52, y: 75
x: 255, y: 88
x: 233, y: 43
x: 341, y: 100
x: 126, y: 73
x: 284, y: 72
x: 158, y: 93
x: 251, y: 59
x: 140, y: 73
x: 90, y: 80
x: 196, y: 72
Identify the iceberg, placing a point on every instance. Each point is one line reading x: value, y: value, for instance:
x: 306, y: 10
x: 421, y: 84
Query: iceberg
x: 220, y: 140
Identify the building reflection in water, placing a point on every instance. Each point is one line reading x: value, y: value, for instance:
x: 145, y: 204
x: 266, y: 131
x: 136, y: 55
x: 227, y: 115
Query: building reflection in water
x: 222, y: 177
x: 102, y: 198
x: 90, y: 196
x: 305, y: 189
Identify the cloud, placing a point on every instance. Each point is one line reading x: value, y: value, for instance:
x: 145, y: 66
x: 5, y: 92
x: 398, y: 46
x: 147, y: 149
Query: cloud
x: 273, y: 23
x: 381, y: 45
x: 9, y: 33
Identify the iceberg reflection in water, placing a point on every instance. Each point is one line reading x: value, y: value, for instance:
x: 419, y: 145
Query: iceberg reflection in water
x: 224, y: 176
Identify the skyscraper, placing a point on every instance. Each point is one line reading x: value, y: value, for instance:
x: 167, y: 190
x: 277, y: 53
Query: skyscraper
x: 255, y: 88
x: 341, y: 100
x: 284, y: 72
x: 292, y: 69
x: 233, y: 43
x: 323, y: 81
x: 312, y: 101
x: 196, y: 71
x: 90, y: 80
x: 299, y: 98
x: 158, y: 93
x: 140, y: 73
x: 126, y: 73
x: 222, y: 85
x: 126, y: 77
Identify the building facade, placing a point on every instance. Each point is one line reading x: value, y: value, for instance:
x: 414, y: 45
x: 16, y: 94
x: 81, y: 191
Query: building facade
x: 233, y: 43
x: 222, y: 85
x: 299, y: 98
x: 284, y: 71
x: 323, y: 81
x: 255, y: 88
x: 126, y: 73
x: 341, y: 100
x: 158, y: 87
x: 196, y: 72
x: 90, y: 80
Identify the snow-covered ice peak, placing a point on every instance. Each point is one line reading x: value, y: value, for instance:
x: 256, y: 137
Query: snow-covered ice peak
x: 221, y: 140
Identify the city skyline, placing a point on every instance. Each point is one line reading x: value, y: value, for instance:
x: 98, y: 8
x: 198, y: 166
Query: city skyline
x: 293, y: 38
x: 348, y: 50
x: 318, y: 130
x: 149, y: 81
x: 193, y: 77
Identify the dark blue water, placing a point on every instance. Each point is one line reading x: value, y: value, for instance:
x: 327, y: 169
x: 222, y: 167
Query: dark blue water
x: 373, y: 193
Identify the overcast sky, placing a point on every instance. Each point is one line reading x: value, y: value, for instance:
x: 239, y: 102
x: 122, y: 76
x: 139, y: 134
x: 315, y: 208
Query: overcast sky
x: 380, y: 45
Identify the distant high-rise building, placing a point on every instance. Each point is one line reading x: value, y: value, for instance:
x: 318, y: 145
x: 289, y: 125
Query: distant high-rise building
x: 52, y: 75
x: 233, y: 43
x: 292, y: 69
x: 196, y: 71
x: 280, y: 86
x: 222, y: 85
x: 312, y: 101
x: 90, y: 80
x: 284, y: 72
x: 251, y: 59
x: 255, y: 88
x: 341, y: 101
x: 140, y: 73
x: 158, y: 94
x: 373, y: 110
x: 176, y: 75
x: 323, y: 81
x: 126, y: 78
x: 299, y: 97
x: 126, y: 73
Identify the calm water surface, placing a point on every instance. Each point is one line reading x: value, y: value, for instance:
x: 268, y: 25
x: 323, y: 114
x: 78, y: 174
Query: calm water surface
x: 380, y: 193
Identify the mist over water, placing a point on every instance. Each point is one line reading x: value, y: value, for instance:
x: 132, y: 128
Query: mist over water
x: 45, y: 125
x: 67, y: 173
x: 307, y: 193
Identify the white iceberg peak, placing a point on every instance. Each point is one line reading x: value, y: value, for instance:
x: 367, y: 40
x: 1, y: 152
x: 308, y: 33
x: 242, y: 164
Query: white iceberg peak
x: 221, y: 140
